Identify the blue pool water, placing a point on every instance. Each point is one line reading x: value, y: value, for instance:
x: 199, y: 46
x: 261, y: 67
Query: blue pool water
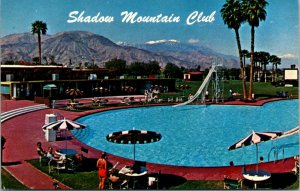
x: 196, y: 135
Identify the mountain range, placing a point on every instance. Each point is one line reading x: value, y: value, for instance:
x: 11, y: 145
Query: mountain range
x: 79, y: 46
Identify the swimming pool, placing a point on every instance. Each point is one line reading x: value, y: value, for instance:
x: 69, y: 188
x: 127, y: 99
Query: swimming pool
x: 196, y: 135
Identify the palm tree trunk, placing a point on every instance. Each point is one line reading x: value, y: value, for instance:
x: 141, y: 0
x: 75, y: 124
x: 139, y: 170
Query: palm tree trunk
x: 40, y: 48
x: 258, y: 71
x: 241, y: 63
x: 244, y: 67
x: 275, y: 72
x: 251, y: 63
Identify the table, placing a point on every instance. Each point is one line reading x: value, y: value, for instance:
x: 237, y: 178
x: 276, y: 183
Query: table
x: 130, y: 173
x: 66, y: 162
x: 68, y: 152
x: 256, y: 176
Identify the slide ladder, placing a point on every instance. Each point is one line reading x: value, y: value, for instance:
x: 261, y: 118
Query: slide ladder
x: 202, y: 88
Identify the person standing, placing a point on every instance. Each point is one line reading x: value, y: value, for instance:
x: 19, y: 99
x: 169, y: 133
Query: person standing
x: 102, y: 170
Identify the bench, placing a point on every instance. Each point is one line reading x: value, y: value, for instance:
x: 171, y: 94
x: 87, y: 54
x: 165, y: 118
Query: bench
x: 231, y: 183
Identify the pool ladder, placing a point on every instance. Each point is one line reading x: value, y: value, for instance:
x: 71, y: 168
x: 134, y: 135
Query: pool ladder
x: 276, y: 152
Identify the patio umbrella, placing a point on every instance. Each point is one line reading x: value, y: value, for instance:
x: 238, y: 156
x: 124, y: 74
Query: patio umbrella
x: 133, y: 137
x: 255, y: 138
x: 63, y: 124
x: 49, y: 87
x: 74, y: 92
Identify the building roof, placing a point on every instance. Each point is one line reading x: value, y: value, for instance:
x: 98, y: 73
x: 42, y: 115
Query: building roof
x: 31, y: 66
x: 194, y: 73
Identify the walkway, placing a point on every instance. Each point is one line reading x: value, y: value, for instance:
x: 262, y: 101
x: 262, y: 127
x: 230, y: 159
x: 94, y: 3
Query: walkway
x: 23, y: 132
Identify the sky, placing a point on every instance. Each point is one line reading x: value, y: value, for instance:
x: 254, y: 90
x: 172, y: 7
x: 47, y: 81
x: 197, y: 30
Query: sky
x: 278, y: 34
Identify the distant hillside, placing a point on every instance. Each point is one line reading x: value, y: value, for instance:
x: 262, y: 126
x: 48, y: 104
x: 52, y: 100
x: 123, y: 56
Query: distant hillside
x: 79, y: 46
x: 198, y: 55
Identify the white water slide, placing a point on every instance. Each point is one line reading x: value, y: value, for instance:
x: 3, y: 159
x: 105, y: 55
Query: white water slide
x: 202, y: 87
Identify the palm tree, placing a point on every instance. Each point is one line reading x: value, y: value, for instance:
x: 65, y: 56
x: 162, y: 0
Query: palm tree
x: 232, y: 15
x: 39, y: 27
x: 256, y: 65
x: 275, y: 60
x: 278, y: 62
x: 265, y: 59
x: 245, y: 54
x: 254, y: 11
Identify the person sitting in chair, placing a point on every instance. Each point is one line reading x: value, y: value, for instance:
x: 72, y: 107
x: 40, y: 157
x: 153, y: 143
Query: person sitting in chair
x: 42, y: 154
x: 40, y: 150
x: 113, y: 177
x: 115, y: 181
x: 55, y: 157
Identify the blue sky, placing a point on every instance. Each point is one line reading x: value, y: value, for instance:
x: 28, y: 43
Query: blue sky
x: 278, y: 34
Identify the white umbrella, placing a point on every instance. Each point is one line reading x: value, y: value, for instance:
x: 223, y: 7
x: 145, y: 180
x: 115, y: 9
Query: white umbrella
x: 255, y: 138
x: 63, y: 124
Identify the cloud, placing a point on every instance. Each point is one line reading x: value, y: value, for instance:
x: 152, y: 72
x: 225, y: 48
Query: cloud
x: 161, y: 41
x: 193, y: 41
x: 288, y: 56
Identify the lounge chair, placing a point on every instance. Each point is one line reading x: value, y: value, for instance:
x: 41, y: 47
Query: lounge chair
x: 115, y: 166
x: 170, y: 99
x: 43, y: 160
x: 153, y: 181
x: 50, y: 166
x: 232, y: 183
x: 85, y: 150
x: 115, y: 181
x: 60, y: 165
x: 295, y: 170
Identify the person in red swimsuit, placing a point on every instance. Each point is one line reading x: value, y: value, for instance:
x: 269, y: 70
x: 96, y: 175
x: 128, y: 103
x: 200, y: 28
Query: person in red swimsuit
x: 102, y: 170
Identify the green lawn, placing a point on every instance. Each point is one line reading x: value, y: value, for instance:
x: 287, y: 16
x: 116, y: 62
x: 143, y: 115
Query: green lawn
x: 9, y: 182
x: 88, y: 180
x: 260, y: 89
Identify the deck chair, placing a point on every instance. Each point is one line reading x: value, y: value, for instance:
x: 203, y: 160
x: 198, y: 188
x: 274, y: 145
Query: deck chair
x: 59, y: 134
x: 43, y: 160
x: 84, y: 150
x: 57, y: 164
x: 138, y: 165
x: 50, y: 166
x: 232, y: 183
x: 295, y: 170
x: 71, y: 165
x: 139, y: 182
x: 119, y: 185
x: 153, y: 181
x: 114, y: 167
x: 60, y: 165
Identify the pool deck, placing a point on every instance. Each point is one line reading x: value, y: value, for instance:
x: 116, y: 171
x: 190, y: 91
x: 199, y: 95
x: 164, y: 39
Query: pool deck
x: 24, y: 131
